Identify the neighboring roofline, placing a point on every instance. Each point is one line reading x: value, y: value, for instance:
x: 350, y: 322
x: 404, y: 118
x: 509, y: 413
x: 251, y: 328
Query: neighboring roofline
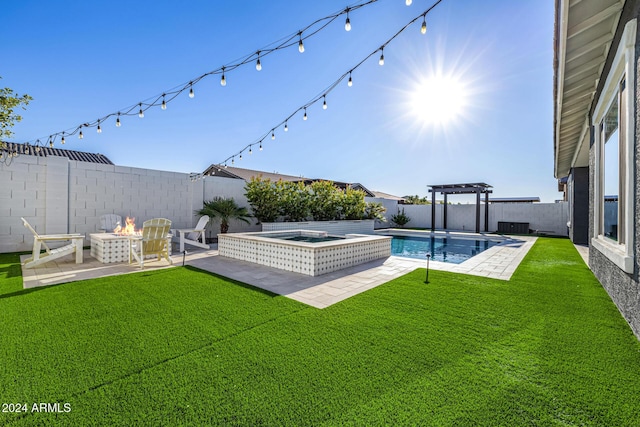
x: 43, y: 151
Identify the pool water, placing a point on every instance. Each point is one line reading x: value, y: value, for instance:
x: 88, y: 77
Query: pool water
x: 453, y: 250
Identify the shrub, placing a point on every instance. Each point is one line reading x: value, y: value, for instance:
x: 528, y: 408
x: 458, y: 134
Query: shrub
x: 375, y: 210
x: 325, y: 201
x: 293, y: 200
x: 400, y: 219
x: 352, y: 204
x: 262, y: 195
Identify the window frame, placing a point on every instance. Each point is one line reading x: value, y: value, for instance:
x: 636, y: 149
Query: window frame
x: 622, y: 68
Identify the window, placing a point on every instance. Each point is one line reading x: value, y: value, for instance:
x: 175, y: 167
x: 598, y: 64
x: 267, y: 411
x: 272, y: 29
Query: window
x: 613, y: 125
x: 611, y: 170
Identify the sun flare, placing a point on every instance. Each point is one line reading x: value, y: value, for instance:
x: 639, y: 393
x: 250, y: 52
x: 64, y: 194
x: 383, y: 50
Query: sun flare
x: 438, y: 99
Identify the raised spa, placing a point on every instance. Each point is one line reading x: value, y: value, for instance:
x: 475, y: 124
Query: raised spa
x: 303, y: 251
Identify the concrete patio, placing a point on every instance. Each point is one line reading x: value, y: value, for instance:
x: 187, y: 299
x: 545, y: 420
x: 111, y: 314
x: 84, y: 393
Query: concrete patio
x: 498, y: 262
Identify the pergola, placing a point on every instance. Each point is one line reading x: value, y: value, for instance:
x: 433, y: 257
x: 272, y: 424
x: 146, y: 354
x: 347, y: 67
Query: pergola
x: 446, y: 189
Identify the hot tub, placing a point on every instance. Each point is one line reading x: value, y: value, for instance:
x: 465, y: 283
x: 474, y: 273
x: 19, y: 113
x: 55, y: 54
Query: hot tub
x: 319, y: 254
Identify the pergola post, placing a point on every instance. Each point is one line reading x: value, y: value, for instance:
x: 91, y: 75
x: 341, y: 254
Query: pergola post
x: 486, y: 211
x: 477, y: 210
x: 433, y: 210
x: 444, y: 215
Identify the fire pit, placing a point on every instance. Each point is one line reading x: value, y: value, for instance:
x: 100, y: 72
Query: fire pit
x: 114, y: 247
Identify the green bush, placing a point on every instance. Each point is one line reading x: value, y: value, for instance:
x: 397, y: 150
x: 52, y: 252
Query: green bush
x: 400, y: 219
x: 262, y: 195
x: 375, y: 210
x: 293, y: 200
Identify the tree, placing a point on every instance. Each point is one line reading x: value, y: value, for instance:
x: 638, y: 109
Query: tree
x: 226, y: 210
x: 9, y: 101
x: 262, y: 195
x: 352, y: 204
x: 325, y: 201
x: 294, y: 198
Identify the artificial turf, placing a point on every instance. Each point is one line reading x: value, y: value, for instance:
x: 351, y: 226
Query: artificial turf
x: 185, y: 347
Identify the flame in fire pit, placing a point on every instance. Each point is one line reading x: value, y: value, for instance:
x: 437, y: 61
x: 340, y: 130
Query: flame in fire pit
x: 129, y: 228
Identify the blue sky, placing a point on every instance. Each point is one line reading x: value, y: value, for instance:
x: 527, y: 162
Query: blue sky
x: 83, y: 60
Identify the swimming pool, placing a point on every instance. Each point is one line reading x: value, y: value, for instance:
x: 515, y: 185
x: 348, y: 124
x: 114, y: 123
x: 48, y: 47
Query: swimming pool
x: 449, y: 249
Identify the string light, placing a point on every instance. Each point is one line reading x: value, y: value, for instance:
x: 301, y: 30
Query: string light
x: 273, y: 134
x: 260, y: 145
x: 286, y: 127
x: 300, y: 44
x: 50, y: 143
x: 423, y: 28
x: 347, y: 75
x: 240, y: 156
x: 172, y: 94
x: 99, y: 130
x: 408, y: 2
x: 118, y: 121
x: 324, y: 102
x: 223, y: 80
x: 258, y: 64
x: 310, y: 30
x: 347, y: 23
x: 250, y: 151
x: 164, y: 103
x: 62, y: 140
x: 80, y: 135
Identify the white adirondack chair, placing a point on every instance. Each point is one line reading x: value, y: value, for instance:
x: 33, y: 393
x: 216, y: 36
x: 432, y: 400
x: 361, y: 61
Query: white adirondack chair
x: 155, y: 240
x: 194, y: 236
x: 52, y: 254
x: 109, y: 222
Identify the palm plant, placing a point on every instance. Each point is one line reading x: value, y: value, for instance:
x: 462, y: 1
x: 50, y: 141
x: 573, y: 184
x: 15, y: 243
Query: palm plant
x: 225, y: 209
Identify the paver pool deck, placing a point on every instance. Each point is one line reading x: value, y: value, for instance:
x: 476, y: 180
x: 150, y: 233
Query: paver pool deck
x: 497, y: 262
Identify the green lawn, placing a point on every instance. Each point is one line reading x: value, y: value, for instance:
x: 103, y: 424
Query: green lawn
x: 184, y: 347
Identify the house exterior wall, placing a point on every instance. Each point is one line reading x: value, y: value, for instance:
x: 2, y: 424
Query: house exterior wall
x: 622, y: 287
x: 578, y: 188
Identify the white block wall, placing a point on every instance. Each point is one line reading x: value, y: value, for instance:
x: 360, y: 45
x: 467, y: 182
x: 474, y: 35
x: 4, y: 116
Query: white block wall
x: 58, y: 195
x: 547, y: 217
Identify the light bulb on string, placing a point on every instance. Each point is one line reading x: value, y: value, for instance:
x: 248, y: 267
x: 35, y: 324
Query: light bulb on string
x: 324, y: 102
x: 305, y: 114
x: 191, y: 93
x: 347, y: 23
x: 99, y: 129
x: 240, y: 156
x: 408, y: 2
x: 300, y: 44
x: 286, y: 127
x: 62, y: 140
x: 233, y: 161
x: 250, y: 150
x: 273, y: 134
x: 258, y: 63
x: 381, y: 60
x: 50, y: 143
x: 350, y: 81
x: 80, y: 135
x: 140, y: 113
x: 260, y: 146
x: 423, y: 29
x: 223, y: 79
x: 118, y: 121
x: 164, y: 103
